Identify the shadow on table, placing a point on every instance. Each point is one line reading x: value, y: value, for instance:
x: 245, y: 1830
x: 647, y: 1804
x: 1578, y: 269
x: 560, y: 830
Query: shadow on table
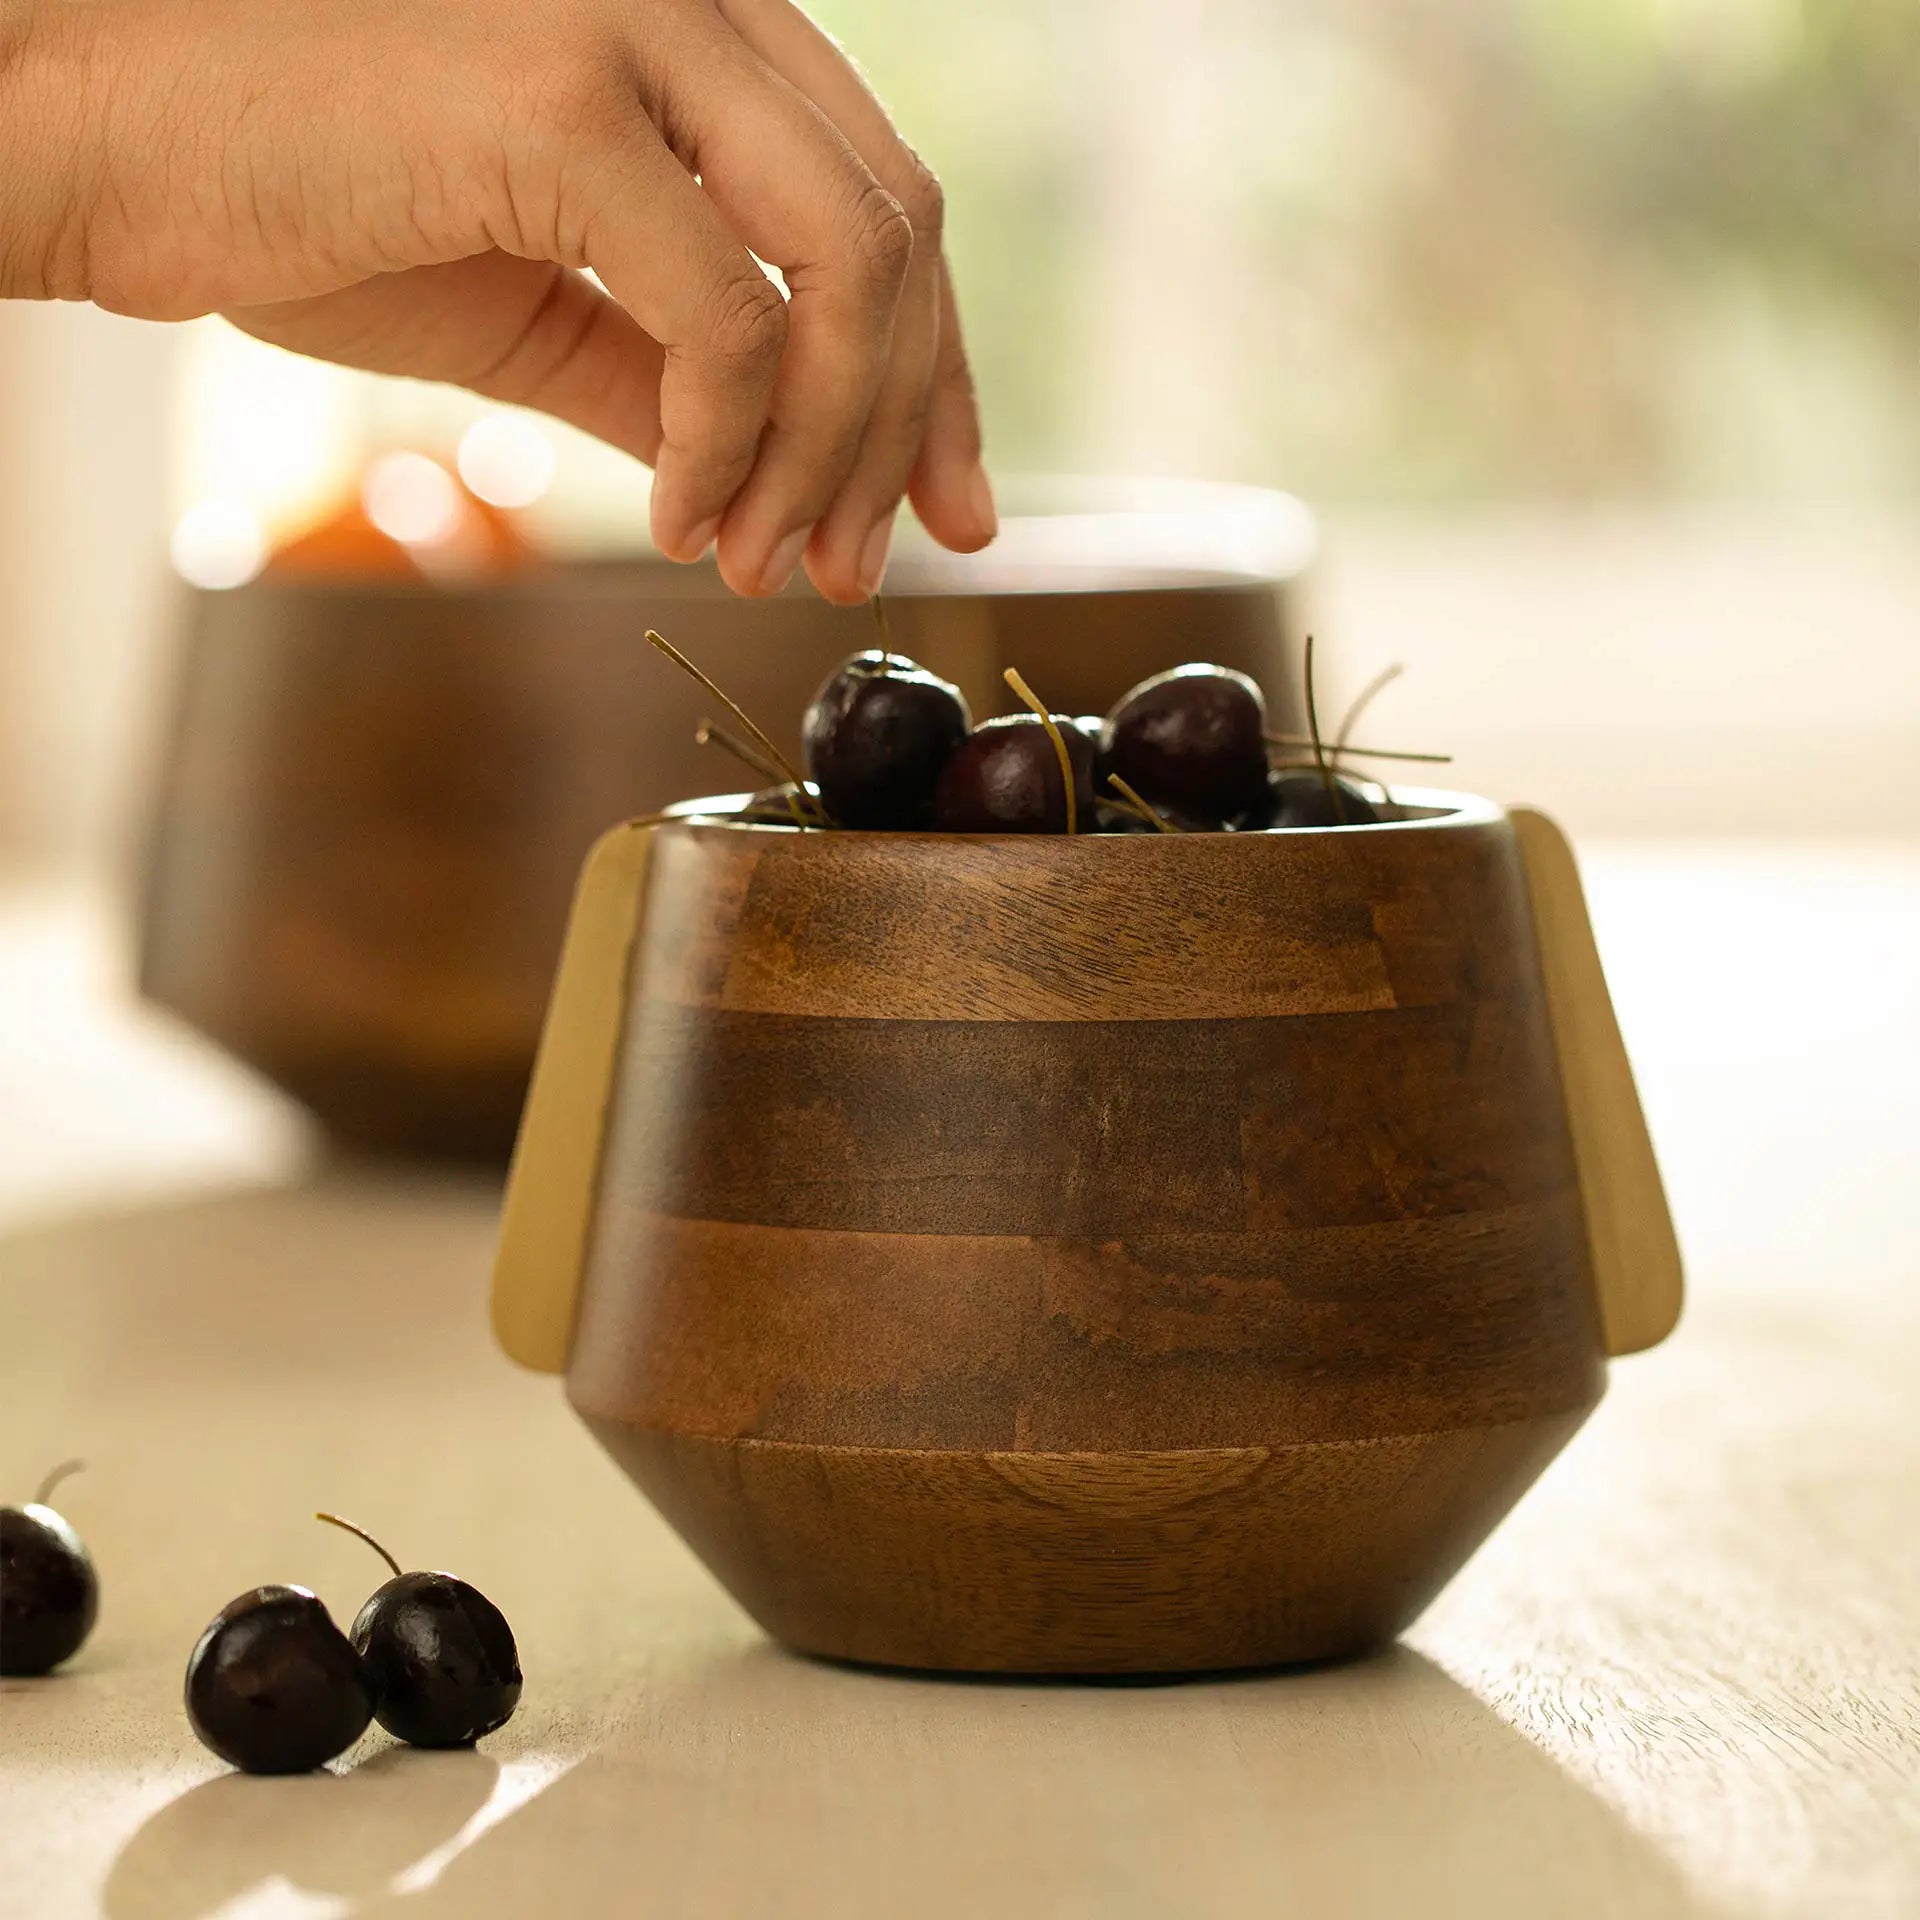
x: 762, y: 1785
x: 350, y: 1834
x: 753, y: 1784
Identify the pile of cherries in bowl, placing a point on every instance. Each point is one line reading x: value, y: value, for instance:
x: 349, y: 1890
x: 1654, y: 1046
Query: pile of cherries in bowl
x: 890, y: 746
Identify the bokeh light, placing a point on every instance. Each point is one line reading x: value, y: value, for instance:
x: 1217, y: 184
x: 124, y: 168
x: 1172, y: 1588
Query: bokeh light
x: 218, y: 544
x: 411, y: 498
x: 507, y: 460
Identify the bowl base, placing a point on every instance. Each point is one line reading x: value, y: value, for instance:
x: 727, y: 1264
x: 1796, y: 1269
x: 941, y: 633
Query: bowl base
x: 1169, y: 1562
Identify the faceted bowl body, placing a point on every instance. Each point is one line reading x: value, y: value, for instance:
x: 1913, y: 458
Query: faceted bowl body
x: 1132, y: 1254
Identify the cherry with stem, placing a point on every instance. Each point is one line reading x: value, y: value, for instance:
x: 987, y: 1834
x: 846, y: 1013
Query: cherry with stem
x: 1014, y: 680
x: 758, y: 734
x: 438, y: 1656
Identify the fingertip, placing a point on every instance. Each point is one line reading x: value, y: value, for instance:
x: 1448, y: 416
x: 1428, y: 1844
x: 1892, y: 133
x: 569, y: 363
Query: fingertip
x: 835, y: 578
x: 752, y: 568
x: 958, y: 509
x: 872, y: 565
x: 836, y: 591
x: 688, y: 547
x: 981, y: 503
x: 967, y: 542
x: 669, y: 519
x: 741, y: 576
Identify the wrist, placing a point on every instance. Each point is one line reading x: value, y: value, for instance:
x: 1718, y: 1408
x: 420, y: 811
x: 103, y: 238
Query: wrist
x: 45, y: 176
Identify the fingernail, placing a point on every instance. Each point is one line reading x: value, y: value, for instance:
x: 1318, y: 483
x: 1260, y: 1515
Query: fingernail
x: 786, y: 556
x: 980, y: 500
x: 702, y: 537
x: 873, y: 556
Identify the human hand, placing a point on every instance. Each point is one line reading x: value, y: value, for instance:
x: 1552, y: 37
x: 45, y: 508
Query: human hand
x: 415, y: 188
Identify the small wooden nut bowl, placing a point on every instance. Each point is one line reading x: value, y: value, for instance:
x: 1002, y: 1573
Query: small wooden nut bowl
x: 1096, y: 1255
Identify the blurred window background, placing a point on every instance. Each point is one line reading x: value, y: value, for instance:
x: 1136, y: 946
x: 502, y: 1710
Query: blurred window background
x: 1590, y: 327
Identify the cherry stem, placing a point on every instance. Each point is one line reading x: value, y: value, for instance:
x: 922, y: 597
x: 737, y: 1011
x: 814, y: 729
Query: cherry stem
x: 1366, y: 753
x: 360, y: 1533
x: 1361, y: 702
x: 1313, y: 734
x: 1146, y: 808
x: 733, y: 706
x: 61, y: 1472
x: 709, y: 734
x: 1012, y: 677
x: 886, y: 631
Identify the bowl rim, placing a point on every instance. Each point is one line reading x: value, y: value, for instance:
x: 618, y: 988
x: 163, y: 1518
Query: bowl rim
x: 1442, y: 809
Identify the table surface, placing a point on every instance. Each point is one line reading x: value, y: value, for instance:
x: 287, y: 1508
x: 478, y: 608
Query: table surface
x: 1683, y: 1679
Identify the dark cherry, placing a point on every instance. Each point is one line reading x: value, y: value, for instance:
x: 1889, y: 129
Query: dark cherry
x: 49, y: 1593
x: 1178, y: 821
x: 439, y: 1655
x: 1193, y: 739
x: 274, y: 1686
x: 1005, y: 778
x: 1187, y: 822
x: 876, y: 737
x: 1300, y: 799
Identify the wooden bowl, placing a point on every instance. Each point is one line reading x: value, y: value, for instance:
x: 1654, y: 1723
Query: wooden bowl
x: 376, y: 796
x: 1130, y: 1254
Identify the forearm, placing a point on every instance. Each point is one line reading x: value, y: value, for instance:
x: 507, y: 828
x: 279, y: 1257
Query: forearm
x: 46, y: 181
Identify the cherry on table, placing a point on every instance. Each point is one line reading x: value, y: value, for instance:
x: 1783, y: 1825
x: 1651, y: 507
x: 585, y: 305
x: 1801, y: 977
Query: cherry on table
x: 49, y: 1592
x: 876, y: 737
x: 440, y: 1658
x: 1193, y: 740
x: 273, y: 1686
x: 1004, y: 777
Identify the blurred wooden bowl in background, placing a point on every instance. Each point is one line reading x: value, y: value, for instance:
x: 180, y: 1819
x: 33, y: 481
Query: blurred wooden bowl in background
x: 376, y: 793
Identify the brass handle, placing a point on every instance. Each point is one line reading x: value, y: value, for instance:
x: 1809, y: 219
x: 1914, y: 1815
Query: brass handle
x: 1636, y: 1258
x: 548, y: 1213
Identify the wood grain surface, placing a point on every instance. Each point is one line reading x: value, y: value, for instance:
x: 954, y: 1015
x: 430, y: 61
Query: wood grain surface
x: 893, y: 1255
x: 1116, y: 928
x: 1113, y: 1562
x: 1010, y: 1343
